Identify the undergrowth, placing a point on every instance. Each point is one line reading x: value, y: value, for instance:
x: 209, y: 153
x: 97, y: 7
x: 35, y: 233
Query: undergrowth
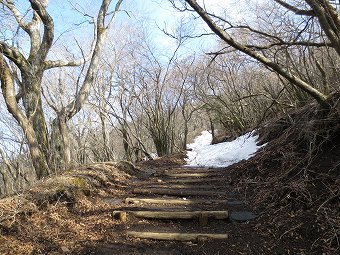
x: 295, y: 178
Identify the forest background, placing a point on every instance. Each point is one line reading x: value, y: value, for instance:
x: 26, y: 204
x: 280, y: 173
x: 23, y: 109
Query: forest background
x: 91, y: 81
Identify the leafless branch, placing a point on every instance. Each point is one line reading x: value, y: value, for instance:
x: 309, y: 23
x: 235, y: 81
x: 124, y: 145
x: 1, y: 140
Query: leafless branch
x: 295, y: 9
x: 16, y: 13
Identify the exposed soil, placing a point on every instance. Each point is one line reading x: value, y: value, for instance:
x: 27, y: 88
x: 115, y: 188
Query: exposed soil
x: 294, y: 182
x: 86, y: 226
x: 292, y: 185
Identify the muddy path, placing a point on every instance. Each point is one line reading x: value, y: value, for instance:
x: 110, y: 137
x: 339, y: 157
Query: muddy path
x: 179, y: 210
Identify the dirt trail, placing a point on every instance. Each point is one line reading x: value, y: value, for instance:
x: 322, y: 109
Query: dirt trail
x: 103, y: 208
x: 181, y: 210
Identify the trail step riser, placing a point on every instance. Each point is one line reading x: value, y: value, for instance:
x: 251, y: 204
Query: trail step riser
x: 177, y: 192
x: 182, y: 215
x: 175, y: 201
x: 177, y: 236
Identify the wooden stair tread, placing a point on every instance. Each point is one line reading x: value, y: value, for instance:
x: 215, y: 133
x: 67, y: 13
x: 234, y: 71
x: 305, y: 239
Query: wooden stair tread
x: 192, y: 180
x: 178, y: 192
x: 187, y: 175
x: 219, y: 215
x: 173, y: 201
x: 182, y: 186
x: 173, y: 236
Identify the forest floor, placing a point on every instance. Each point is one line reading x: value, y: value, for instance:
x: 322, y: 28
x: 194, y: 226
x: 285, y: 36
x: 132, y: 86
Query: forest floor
x: 292, y: 185
x: 83, y: 224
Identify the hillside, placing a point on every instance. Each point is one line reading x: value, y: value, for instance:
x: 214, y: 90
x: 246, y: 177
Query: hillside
x: 292, y: 183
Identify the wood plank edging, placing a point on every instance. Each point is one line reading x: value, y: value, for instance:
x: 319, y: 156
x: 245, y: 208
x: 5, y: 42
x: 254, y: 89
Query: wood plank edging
x: 176, y: 236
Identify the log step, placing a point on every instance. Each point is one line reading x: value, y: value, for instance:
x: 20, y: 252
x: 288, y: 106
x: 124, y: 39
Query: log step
x: 176, y: 236
x: 194, y: 170
x: 171, y: 215
x: 173, y: 201
x: 189, y: 175
x: 195, y: 180
x: 183, y: 186
x: 178, y: 192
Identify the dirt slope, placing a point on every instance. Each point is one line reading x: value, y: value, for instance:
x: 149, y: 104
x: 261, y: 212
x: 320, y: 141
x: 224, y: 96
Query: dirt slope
x: 294, y: 182
x: 293, y: 185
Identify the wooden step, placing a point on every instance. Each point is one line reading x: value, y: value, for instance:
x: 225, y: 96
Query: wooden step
x: 189, y: 175
x: 193, y: 180
x: 173, y: 201
x: 194, y: 170
x: 172, y: 215
x: 178, y: 192
x: 184, y: 186
x: 176, y: 236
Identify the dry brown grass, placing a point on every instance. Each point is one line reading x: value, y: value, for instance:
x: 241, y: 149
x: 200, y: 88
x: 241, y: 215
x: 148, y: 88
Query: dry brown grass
x: 48, y: 218
x: 295, y: 179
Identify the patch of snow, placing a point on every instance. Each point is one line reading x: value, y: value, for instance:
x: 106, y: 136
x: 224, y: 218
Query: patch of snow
x: 204, y: 154
x: 153, y: 155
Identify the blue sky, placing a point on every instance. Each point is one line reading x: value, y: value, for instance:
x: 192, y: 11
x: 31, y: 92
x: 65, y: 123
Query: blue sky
x: 70, y: 23
x: 155, y: 14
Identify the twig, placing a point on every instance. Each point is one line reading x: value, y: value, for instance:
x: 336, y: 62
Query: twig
x: 289, y: 230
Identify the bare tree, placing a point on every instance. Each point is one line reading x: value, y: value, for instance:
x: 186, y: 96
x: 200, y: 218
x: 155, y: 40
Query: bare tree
x: 155, y: 95
x: 322, y: 11
x: 40, y: 30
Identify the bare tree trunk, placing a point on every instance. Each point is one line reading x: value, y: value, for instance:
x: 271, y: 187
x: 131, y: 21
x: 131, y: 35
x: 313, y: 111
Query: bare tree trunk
x: 7, y: 86
x: 161, y: 142
x: 33, y: 108
x: 61, y: 151
x: 329, y: 19
x: 76, y: 105
x: 212, y: 128
x: 185, y: 136
x: 5, y: 173
x: 107, y: 153
x: 6, y: 180
x: 126, y: 145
